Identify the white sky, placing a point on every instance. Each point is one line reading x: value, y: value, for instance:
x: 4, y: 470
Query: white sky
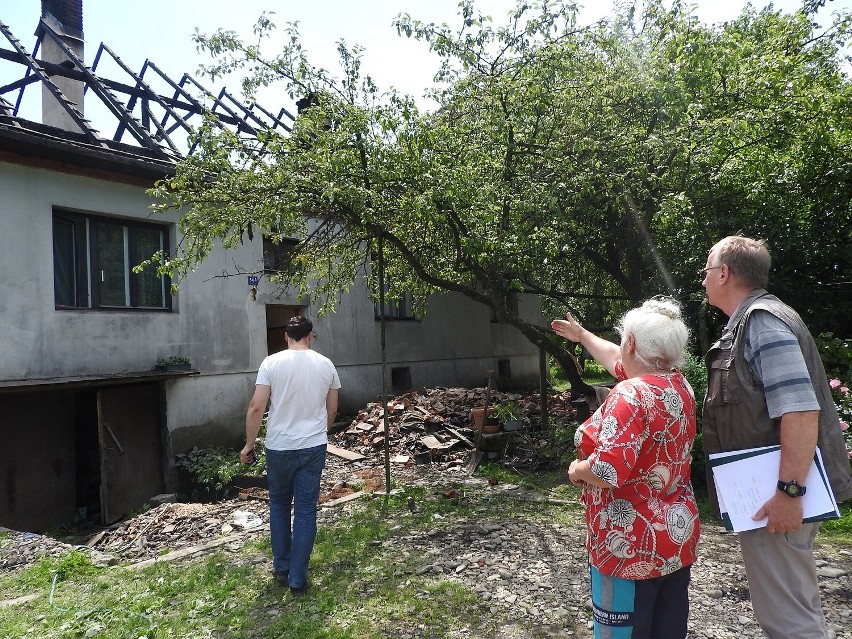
x: 160, y: 30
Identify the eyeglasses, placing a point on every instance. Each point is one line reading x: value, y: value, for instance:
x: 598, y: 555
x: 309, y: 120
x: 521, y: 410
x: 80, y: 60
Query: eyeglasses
x: 703, y: 271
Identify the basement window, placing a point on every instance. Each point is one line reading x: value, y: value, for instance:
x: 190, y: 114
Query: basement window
x: 400, y: 378
x: 93, y: 260
x: 504, y: 368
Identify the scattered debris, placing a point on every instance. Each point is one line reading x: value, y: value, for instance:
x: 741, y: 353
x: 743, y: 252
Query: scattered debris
x: 428, y: 427
x: 435, y: 425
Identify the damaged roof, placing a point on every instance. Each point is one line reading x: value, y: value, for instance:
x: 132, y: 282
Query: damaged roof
x: 154, y: 116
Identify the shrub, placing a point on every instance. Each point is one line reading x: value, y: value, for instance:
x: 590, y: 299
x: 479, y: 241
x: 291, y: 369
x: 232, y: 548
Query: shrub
x: 843, y: 401
x: 210, y: 471
x: 836, y: 355
x: 696, y: 374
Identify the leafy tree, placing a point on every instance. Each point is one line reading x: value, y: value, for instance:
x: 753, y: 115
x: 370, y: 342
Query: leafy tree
x: 592, y: 167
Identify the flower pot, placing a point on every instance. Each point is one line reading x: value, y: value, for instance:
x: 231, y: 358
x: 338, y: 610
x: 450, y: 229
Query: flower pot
x: 477, y: 416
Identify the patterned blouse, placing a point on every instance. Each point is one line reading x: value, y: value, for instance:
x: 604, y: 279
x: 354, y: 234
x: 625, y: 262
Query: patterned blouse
x: 640, y: 440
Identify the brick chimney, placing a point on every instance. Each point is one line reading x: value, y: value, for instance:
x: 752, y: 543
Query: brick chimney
x: 66, y: 18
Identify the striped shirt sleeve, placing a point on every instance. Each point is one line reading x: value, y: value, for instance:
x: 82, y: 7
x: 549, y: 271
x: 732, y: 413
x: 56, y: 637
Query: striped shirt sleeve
x: 775, y: 359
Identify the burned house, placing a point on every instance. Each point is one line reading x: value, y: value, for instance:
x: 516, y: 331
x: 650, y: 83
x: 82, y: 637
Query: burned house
x: 89, y: 425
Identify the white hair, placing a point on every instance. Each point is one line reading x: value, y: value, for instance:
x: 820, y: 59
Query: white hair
x: 659, y: 333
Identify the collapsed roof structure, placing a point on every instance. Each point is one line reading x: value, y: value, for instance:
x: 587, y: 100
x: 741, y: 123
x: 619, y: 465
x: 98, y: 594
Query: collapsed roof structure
x: 154, y: 115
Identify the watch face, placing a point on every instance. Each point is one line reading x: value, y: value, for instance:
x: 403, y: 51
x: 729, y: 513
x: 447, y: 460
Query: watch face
x: 792, y: 488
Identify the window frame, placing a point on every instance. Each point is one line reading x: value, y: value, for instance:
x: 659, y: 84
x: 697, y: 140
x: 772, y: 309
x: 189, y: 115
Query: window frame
x: 397, y: 310
x: 86, y: 265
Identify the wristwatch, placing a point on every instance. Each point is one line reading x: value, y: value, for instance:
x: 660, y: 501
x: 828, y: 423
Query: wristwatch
x: 791, y: 488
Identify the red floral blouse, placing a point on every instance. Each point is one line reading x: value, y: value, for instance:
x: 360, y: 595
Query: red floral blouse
x: 640, y: 440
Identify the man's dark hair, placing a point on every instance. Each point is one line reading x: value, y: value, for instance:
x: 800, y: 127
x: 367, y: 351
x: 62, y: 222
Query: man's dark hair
x: 299, y: 327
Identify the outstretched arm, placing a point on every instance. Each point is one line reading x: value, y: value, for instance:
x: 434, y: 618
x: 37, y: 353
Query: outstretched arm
x: 605, y: 352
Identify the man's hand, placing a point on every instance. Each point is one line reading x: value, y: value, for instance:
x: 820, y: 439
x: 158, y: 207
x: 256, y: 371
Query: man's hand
x: 784, y: 513
x: 247, y: 454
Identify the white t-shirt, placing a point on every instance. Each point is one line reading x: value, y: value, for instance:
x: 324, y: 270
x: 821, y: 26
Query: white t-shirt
x: 299, y: 381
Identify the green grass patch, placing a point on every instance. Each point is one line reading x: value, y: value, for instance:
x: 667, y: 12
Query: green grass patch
x: 839, y: 531
x: 363, y: 587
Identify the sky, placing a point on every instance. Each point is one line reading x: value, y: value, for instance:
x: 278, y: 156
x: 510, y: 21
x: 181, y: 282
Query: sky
x: 161, y: 30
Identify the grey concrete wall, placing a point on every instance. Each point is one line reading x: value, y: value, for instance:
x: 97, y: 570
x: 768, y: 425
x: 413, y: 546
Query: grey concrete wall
x: 212, y: 319
x: 216, y: 322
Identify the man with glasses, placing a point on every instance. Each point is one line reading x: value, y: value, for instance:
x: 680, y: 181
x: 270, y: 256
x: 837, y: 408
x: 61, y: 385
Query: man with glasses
x: 767, y: 386
x: 301, y: 388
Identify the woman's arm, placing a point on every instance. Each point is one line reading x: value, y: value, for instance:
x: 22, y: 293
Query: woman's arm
x: 581, y: 472
x: 605, y: 352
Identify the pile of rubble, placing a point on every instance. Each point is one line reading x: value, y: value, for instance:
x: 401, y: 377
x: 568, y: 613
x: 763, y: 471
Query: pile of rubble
x: 429, y: 427
x: 435, y: 425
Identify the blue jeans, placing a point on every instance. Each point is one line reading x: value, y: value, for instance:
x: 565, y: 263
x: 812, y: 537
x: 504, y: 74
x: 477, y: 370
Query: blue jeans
x: 294, y: 480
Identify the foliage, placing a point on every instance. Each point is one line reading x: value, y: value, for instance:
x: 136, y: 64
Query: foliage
x: 73, y: 565
x: 836, y: 355
x: 695, y: 373
x: 843, y: 401
x: 594, y: 370
x: 507, y: 411
x: 211, y: 470
x: 589, y: 167
x: 840, y: 529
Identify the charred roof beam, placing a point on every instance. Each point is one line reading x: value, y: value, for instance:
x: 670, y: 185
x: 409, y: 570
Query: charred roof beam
x: 110, y: 101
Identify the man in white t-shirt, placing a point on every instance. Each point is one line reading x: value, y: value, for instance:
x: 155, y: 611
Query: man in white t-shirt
x: 301, y: 388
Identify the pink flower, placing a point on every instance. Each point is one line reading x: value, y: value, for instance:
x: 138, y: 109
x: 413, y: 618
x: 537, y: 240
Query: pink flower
x: 844, y: 389
x: 843, y: 425
x: 834, y: 383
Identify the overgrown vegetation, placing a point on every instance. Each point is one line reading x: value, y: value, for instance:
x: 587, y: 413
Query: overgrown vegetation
x: 208, y: 473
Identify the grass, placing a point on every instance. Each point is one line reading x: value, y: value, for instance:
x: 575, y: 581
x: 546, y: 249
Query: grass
x: 366, y: 585
x: 594, y: 374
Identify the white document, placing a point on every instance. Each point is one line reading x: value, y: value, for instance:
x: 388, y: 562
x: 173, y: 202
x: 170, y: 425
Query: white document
x: 747, y: 479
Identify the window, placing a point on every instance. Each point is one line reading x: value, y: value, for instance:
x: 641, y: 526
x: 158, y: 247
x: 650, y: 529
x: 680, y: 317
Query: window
x: 400, y: 378
x: 278, y: 258
x: 400, y: 309
x: 93, y: 260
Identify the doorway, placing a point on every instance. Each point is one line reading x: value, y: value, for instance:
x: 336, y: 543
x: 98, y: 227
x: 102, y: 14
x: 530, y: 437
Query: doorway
x: 277, y: 316
x: 90, y: 454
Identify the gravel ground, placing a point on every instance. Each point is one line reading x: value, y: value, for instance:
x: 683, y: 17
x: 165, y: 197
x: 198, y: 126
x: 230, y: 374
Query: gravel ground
x: 532, y: 573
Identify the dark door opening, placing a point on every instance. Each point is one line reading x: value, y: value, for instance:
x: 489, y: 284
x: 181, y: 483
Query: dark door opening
x: 88, y: 456
x: 91, y: 454
x: 277, y: 316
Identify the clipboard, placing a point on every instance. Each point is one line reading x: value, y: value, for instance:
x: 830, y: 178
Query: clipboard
x: 746, y: 479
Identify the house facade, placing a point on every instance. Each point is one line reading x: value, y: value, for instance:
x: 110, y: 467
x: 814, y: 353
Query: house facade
x: 89, y: 427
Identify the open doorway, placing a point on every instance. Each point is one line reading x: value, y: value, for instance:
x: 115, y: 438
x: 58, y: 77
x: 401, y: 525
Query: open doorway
x: 88, y: 454
x: 277, y: 316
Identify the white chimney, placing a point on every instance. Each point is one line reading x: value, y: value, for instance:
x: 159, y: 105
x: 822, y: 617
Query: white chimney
x: 66, y: 19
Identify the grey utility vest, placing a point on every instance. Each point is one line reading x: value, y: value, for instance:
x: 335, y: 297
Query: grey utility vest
x: 735, y: 414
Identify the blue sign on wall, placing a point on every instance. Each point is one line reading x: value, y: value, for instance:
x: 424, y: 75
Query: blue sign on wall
x: 253, y: 280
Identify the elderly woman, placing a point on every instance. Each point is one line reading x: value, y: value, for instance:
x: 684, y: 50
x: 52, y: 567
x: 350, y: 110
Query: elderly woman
x: 634, y: 467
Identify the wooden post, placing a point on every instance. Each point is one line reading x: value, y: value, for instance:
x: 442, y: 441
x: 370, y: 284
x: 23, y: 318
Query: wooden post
x: 544, y: 385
